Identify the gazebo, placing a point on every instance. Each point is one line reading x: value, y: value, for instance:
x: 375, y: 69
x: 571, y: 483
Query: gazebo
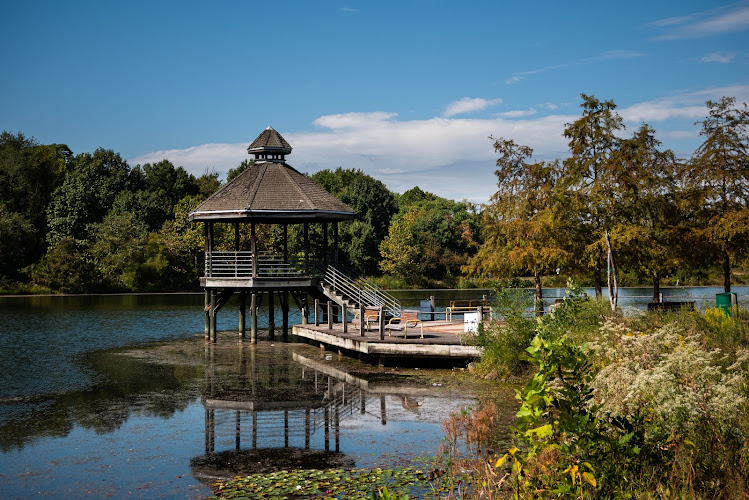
x: 272, y: 192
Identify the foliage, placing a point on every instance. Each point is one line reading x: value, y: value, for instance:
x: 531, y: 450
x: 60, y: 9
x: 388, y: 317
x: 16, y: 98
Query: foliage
x: 330, y: 483
x: 627, y: 411
x: 520, y: 224
x: 503, y: 341
x: 719, y: 180
x: 592, y: 142
x: 374, y: 204
x: 430, y: 241
x: 66, y: 268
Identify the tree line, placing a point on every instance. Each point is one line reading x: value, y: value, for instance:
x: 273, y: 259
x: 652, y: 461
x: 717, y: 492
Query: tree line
x: 662, y: 216
x: 88, y: 222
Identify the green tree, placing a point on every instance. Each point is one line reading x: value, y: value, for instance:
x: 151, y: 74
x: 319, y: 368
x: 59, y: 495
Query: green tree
x: 374, y: 204
x: 592, y: 141
x: 86, y: 195
x: 719, y: 172
x: 115, y: 242
x: 521, y: 225
x: 66, y: 268
x: 640, y: 186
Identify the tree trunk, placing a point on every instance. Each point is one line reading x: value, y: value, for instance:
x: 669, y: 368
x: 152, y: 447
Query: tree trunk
x: 656, y: 287
x: 726, y: 272
x: 611, y: 275
x: 539, y: 305
x: 598, y: 283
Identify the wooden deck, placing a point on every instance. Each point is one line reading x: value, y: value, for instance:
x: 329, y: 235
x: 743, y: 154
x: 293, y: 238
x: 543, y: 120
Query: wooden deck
x: 441, y: 341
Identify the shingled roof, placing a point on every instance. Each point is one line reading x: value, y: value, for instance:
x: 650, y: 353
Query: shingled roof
x: 271, y: 141
x: 272, y: 191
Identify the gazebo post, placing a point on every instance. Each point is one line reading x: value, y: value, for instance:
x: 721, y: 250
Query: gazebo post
x: 285, y: 318
x: 253, y: 249
x: 335, y: 242
x: 242, y: 314
x: 286, y: 243
x: 253, y: 327
x: 325, y: 244
x: 213, y: 315
x: 306, y: 249
x: 207, y: 310
x: 271, y: 316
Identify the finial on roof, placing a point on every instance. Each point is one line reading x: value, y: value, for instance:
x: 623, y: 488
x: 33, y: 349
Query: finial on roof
x: 269, y: 145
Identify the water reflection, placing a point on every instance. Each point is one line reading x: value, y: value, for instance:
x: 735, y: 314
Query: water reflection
x: 296, y: 410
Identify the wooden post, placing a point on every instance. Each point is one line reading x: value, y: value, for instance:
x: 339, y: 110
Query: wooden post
x: 330, y: 315
x: 285, y: 319
x: 306, y: 249
x: 242, y: 314
x: 253, y: 311
x: 305, y: 309
x: 344, y: 318
x: 362, y: 312
x: 253, y: 249
x: 335, y: 241
x: 206, y: 312
x: 480, y: 315
x: 317, y: 312
x: 213, y: 315
x: 382, y: 323
x: 271, y: 316
x: 431, y: 307
x: 286, y: 243
x: 325, y: 244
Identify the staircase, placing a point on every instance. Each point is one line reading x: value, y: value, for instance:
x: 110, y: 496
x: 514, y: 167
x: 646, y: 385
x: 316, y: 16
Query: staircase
x: 347, y: 289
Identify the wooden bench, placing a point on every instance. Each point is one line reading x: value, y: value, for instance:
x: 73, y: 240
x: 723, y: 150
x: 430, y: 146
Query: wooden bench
x: 371, y: 315
x: 464, y: 306
x: 402, y: 322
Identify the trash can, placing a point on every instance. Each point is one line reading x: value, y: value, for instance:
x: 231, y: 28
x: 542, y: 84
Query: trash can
x: 725, y: 301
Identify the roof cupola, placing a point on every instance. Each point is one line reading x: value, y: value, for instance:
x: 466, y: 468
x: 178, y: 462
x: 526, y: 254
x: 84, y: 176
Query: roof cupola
x: 269, y: 146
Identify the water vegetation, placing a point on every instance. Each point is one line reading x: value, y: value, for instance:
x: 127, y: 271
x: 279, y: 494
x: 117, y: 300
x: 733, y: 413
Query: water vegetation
x: 653, y: 405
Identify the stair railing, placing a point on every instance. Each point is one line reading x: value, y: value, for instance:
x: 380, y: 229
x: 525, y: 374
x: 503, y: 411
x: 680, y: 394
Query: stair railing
x: 361, y: 290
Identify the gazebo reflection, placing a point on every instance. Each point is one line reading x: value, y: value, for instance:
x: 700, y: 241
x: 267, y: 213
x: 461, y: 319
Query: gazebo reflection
x: 282, y: 414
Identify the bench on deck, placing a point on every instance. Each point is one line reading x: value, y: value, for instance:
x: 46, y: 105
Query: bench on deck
x: 371, y: 315
x: 401, y: 323
x: 464, y: 306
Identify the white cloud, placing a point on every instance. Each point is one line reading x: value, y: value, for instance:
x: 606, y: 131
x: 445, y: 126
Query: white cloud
x: 725, y: 19
x: 721, y: 57
x: 451, y: 157
x: 520, y: 113
x: 468, y: 105
x: 683, y: 106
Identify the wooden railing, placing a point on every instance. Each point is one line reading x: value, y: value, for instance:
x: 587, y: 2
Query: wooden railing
x: 238, y: 264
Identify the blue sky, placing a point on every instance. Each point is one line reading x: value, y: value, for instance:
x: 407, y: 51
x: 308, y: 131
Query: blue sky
x: 407, y: 91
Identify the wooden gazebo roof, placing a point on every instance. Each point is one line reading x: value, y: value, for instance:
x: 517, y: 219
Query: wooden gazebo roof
x: 271, y: 191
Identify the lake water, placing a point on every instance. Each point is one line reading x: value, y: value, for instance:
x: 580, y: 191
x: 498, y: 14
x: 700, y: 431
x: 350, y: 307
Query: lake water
x: 118, y: 396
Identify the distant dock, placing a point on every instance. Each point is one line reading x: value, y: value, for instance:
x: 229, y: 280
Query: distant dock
x: 441, y: 341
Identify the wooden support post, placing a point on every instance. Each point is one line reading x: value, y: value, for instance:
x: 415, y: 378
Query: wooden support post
x: 325, y: 244
x: 242, y: 314
x: 317, y: 312
x: 286, y: 243
x: 306, y: 249
x: 307, y: 428
x: 335, y: 241
x: 285, y: 319
x: 383, y: 412
x: 330, y: 315
x: 253, y: 249
x: 382, y: 323
x: 206, y: 312
x: 480, y: 315
x: 362, y: 323
x: 432, y: 304
x: 344, y: 318
x: 271, y: 316
x: 305, y: 309
x: 213, y: 315
x: 253, y: 311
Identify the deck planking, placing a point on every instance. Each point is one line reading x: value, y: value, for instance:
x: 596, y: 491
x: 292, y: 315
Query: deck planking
x: 441, y: 341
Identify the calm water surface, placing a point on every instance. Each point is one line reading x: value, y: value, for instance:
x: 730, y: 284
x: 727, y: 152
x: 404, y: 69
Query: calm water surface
x: 118, y: 396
